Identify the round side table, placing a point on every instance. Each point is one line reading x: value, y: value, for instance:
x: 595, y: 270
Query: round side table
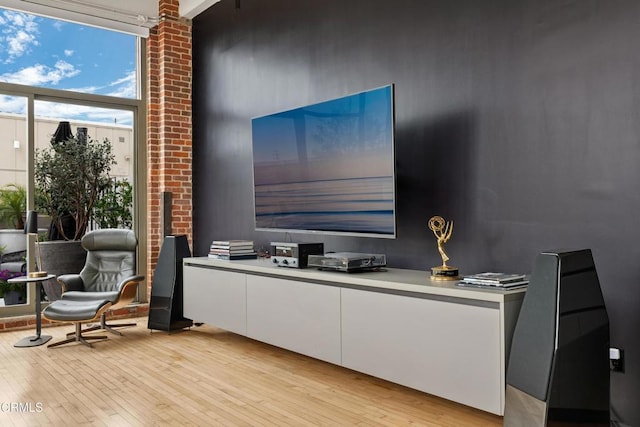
x: 38, y: 339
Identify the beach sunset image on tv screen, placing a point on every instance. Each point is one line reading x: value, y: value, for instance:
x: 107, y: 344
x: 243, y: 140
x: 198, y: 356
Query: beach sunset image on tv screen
x: 327, y: 167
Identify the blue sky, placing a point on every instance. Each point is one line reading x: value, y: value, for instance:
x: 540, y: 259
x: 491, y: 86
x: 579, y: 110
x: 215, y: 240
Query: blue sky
x: 57, y: 54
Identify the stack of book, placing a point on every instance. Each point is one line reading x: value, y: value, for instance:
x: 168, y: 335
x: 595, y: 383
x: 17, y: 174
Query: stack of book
x: 495, y: 280
x: 232, y: 249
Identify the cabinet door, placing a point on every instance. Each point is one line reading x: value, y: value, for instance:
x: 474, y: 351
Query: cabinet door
x: 444, y: 348
x: 298, y: 316
x: 215, y: 297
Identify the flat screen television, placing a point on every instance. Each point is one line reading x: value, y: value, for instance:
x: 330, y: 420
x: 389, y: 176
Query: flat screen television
x: 327, y: 167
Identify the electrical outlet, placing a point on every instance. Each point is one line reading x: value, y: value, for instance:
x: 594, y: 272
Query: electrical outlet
x: 616, y: 359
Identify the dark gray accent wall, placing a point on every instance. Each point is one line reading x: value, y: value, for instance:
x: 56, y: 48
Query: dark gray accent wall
x: 517, y: 119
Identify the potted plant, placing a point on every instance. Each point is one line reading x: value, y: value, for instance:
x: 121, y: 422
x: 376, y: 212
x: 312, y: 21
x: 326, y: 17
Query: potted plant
x: 70, y: 176
x: 13, y: 293
x: 13, y: 203
x: 114, y: 205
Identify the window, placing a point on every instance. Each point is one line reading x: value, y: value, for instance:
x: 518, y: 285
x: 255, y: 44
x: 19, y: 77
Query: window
x: 52, y: 71
x: 44, y: 52
x: 13, y: 194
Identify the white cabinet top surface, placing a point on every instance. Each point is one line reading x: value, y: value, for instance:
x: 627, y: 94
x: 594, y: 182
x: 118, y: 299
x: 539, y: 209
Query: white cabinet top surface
x: 393, y: 279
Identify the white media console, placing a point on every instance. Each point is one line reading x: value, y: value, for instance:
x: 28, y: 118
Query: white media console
x: 398, y: 325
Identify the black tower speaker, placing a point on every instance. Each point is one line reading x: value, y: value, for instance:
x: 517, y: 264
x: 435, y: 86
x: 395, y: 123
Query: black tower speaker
x: 165, y: 306
x: 558, y: 372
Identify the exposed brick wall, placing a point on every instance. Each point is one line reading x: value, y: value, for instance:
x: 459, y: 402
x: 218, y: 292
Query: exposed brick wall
x: 168, y: 126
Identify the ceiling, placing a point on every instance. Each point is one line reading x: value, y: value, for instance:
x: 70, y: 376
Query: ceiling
x: 191, y: 8
x: 132, y: 16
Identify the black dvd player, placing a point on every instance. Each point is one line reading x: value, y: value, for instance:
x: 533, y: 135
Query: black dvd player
x: 347, y: 261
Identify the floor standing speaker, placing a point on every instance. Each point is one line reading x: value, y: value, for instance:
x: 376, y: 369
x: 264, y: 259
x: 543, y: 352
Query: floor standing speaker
x: 165, y: 305
x: 558, y: 372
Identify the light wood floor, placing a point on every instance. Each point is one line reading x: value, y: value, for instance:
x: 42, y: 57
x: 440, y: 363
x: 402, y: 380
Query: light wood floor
x: 201, y: 377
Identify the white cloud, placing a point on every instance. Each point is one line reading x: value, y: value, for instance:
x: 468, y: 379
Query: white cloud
x: 19, y: 43
x: 61, y: 111
x: 68, y: 52
x: 128, y: 78
x: 19, y: 34
x: 41, y: 75
x: 76, y: 112
x: 13, y: 104
x: 86, y: 89
x: 125, y: 87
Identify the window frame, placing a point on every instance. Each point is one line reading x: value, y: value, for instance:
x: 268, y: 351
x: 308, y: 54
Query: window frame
x: 138, y: 108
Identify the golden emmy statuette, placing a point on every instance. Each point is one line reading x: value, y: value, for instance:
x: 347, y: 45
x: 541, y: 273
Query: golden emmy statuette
x: 442, y: 230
